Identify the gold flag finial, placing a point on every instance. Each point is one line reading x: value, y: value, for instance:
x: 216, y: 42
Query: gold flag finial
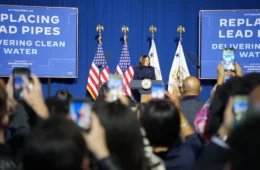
x: 180, y: 29
x: 152, y: 29
x: 99, y: 28
x: 125, y: 30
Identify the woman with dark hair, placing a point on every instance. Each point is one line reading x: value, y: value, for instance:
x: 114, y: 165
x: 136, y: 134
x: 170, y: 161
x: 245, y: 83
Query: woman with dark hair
x: 144, y: 70
x: 164, y: 116
x: 57, y: 143
x: 123, y: 135
x: 170, y: 135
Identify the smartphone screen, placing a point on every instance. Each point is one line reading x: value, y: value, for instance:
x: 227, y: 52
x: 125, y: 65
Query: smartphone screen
x: 80, y: 113
x: 240, y: 106
x: 157, y: 91
x: 18, y: 83
x: 115, y: 86
x: 228, y: 57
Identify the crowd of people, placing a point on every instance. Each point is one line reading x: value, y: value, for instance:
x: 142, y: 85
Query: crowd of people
x: 180, y: 132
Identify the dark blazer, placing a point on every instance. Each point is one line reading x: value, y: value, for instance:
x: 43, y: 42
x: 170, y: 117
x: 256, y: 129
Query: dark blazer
x: 144, y: 72
x: 182, y: 155
x: 213, y: 157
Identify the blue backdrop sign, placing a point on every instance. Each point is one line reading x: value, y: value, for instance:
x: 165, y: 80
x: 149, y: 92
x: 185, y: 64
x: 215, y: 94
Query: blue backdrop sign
x: 41, y: 38
x: 238, y: 29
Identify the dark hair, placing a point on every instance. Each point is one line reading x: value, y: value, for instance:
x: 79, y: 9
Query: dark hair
x: 123, y: 135
x: 64, y: 95
x: 57, y: 144
x: 3, y: 101
x: 252, y: 80
x: 244, y: 142
x: 57, y: 106
x: 161, y: 121
x: 234, y: 86
x: 103, y: 90
x: 142, y: 60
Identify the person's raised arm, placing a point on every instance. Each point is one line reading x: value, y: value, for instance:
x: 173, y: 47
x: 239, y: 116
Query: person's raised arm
x: 96, y: 142
x: 221, y: 74
x: 11, y: 102
x: 238, y: 70
x: 216, y: 154
x: 34, y: 98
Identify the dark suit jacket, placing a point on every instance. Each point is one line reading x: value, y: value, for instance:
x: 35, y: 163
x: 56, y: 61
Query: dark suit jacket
x: 182, y: 155
x: 144, y: 72
x: 213, y: 157
x: 190, y: 106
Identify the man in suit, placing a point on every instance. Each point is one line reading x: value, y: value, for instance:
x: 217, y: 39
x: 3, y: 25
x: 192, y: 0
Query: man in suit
x: 191, y: 103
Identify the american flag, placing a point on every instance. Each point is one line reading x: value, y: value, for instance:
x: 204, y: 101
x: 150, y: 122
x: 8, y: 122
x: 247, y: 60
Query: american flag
x: 125, y: 68
x: 95, y: 79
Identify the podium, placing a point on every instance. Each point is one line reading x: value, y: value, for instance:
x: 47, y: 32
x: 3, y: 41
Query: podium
x: 145, y: 93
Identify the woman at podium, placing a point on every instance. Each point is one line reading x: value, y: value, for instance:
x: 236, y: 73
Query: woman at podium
x: 144, y: 70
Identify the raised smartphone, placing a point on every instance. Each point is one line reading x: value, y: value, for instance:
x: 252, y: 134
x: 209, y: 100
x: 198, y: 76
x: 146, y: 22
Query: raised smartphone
x: 240, y: 106
x: 80, y: 113
x: 18, y: 83
x: 157, y: 91
x: 115, y: 86
x: 228, y: 57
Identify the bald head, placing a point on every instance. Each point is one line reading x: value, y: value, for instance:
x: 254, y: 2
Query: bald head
x: 191, y: 86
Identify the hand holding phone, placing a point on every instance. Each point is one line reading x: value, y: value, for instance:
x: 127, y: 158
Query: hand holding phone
x: 228, y: 57
x: 157, y: 91
x: 80, y: 113
x: 18, y: 83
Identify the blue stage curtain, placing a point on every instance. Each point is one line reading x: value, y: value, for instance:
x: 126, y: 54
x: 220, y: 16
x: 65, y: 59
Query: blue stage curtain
x: 138, y: 15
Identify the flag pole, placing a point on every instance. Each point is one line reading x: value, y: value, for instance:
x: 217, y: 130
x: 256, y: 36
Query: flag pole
x: 180, y: 29
x: 99, y: 29
x: 125, y: 29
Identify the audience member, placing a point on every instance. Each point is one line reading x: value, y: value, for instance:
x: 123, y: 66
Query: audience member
x: 57, y: 144
x: 244, y: 144
x: 64, y: 95
x: 254, y: 99
x: 36, y: 134
x: 234, y: 86
x: 233, y: 147
x: 6, y: 159
x: 252, y: 80
x: 203, y: 116
x: 57, y: 107
x: 216, y: 155
x: 102, y: 92
x: 171, y: 136
x: 6, y: 162
x: 191, y: 103
x: 123, y: 135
